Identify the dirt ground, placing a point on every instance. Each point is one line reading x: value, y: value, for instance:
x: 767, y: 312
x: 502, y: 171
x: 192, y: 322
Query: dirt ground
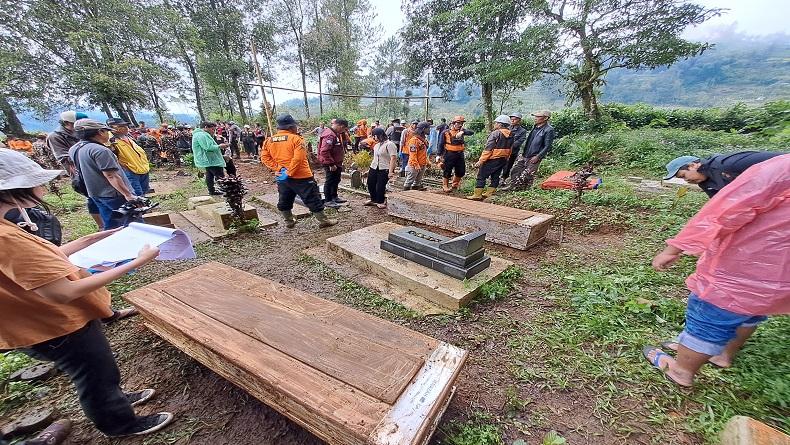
x: 210, y: 410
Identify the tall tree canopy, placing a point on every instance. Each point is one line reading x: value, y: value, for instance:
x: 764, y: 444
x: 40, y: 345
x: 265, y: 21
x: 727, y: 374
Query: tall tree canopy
x: 596, y: 36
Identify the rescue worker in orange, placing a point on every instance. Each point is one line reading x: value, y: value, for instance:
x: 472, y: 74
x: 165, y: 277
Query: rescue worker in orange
x: 285, y: 153
x: 450, y: 154
x: 360, y: 133
x: 22, y: 145
x: 417, y: 144
x: 494, y: 158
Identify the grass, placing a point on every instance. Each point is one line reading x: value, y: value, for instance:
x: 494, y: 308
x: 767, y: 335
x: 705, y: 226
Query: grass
x: 358, y: 296
x: 13, y: 394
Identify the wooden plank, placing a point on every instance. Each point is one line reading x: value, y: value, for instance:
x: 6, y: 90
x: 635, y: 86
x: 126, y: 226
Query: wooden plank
x: 742, y: 430
x: 415, y: 415
x: 362, y: 248
x: 337, y: 351
x: 326, y: 406
x: 508, y: 226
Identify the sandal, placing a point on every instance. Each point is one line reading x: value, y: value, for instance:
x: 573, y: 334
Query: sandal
x: 381, y: 206
x: 655, y: 362
x: 119, y: 314
x: 369, y: 203
x: 673, y: 346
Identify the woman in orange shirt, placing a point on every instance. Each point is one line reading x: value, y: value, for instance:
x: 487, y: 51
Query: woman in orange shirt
x: 52, y: 309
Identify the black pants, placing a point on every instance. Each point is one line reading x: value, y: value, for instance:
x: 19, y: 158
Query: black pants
x: 85, y: 356
x: 234, y: 147
x: 211, y: 174
x: 511, y: 160
x: 331, y: 183
x: 377, y: 185
x: 357, y: 140
x: 492, y: 168
x: 306, y: 189
x: 454, y: 160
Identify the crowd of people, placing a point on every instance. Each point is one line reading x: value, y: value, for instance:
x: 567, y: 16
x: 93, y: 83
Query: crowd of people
x: 57, y: 309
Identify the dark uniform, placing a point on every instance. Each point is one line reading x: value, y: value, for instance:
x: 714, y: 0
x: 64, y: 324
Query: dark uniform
x: 723, y: 169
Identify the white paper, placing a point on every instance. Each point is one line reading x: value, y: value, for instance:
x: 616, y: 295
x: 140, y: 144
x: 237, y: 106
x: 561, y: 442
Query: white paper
x: 125, y: 244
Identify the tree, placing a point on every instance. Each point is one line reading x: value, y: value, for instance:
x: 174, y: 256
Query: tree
x: 596, y: 36
x: 486, y: 41
x: 293, y: 29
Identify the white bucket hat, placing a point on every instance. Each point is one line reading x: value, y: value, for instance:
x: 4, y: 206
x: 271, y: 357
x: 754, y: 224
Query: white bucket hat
x: 17, y: 171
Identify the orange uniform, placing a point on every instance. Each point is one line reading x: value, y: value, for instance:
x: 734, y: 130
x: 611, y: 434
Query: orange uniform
x: 498, y: 145
x: 21, y: 145
x: 286, y: 149
x: 362, y: 129
x: 418, y: 151
x: 453, y: 143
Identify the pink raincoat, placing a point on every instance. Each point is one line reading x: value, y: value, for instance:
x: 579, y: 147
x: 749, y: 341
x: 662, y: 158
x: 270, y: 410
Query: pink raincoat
x: 742, y: 238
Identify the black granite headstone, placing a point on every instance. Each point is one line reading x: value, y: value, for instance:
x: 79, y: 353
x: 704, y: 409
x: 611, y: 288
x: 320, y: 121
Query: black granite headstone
x: 461, y: 257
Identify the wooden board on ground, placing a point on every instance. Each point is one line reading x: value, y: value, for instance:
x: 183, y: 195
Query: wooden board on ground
x: 508, y: 226
x: 346, y: 376
x: 362, y: 248
x: 269, y: 200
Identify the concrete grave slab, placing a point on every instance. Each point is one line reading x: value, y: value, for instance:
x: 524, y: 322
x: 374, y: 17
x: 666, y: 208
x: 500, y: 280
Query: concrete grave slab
x: 362, y: 248
x: 202, y: 200
x: 269, y: 201
x: 222, y: 215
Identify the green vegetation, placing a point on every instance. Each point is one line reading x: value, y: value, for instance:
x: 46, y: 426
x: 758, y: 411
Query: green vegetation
x: 479, y: 430
x: 13, y: 393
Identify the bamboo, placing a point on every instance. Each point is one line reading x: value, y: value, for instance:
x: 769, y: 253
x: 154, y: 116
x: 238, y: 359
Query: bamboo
x: 260, y: 84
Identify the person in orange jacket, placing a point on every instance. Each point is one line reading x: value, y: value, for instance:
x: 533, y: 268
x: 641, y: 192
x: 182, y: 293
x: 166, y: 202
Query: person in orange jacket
x: 417, y: 144
x: 494, y: 158
x: 450, y: 154
x: 285, y: 153
x: 22, y: 145
x: 360, y: 133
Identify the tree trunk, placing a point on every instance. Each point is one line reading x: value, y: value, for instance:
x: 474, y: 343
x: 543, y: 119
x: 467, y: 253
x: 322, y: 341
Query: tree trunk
x: 304, y: 80
x: 488, y: 105
x: 12, y: 124
x: 239, y: 99
x: 106, y: 108
x: 589, y: 101
x: 121, y: 110
x: 131, y: 115
x: 195, y: 82
x: 320, y: 95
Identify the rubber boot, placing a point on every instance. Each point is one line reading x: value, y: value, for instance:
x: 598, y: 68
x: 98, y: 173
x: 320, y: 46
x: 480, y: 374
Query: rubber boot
x: 290, y: 220
x: 456, y: 182
x: 489, y: 192
x: 478, y: 195
x: 323, y: 220
x: 446, y: 185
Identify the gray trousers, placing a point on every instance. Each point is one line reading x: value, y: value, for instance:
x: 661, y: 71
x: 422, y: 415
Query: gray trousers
x: 414, y: 177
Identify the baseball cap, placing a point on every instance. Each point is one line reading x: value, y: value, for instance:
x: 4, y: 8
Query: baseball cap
x: 89, y: 124
x: 543, y: 113
x: 117, y: 121
x: 72, y: 116
x: 676, y: 164
x: 17, y: 171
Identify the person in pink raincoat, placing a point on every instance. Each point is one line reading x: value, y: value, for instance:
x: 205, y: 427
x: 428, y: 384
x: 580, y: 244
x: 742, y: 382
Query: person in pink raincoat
x: 742, y: 238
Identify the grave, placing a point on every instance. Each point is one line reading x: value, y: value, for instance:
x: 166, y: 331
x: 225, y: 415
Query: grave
x: 222, y: 215
x: 508, y: 226
x: 346, y: 376
x: 269, y: 200
x: 461, y: 257
x: 742, y: 430
x: 158, y: 219
x: 363, y: 249
x: 195, y: 201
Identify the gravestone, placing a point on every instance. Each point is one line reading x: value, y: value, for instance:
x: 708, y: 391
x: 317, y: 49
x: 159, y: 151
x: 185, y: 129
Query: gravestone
x: 461, y: 257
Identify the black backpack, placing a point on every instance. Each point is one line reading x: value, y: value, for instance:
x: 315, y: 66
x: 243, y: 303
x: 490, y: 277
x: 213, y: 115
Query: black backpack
x: 48, y: 225
x: 77, y: 181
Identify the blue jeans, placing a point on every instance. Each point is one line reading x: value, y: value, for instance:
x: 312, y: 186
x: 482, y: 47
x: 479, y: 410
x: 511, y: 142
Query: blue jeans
x: 709, y: 328
x: 139, y: 182
x: 106, y: 206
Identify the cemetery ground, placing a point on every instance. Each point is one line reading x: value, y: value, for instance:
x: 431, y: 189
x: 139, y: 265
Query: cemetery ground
x: 554, y: 344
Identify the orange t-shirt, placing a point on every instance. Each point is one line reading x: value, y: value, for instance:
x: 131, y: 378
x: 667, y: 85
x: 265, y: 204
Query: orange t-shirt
x: 28, y: 262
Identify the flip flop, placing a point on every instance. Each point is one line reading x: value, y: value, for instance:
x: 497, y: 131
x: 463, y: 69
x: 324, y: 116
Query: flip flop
x: 673, y: 346
x: 657, y: 359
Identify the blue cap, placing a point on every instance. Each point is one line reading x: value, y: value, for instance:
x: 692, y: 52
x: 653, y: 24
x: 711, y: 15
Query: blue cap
x: 676, y: 164
x: 81, y: 115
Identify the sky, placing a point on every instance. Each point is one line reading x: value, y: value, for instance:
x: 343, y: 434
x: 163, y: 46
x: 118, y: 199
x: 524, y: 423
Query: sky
x: 756, y: 17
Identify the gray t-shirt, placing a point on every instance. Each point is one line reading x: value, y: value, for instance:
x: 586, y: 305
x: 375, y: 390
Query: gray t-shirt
x: 93, y: 160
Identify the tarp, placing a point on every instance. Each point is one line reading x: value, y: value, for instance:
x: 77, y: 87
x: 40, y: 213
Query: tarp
x: 561, y: 180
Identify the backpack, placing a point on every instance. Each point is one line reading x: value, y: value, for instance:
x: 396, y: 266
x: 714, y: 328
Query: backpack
x: 77, y: 181
x: 49, y: 227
